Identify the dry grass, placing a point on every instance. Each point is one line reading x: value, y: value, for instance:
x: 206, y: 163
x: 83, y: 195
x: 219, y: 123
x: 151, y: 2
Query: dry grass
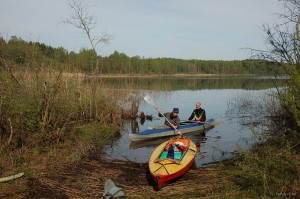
x: 86, y: 179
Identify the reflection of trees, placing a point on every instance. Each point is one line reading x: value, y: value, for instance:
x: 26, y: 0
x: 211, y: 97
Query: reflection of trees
x: 190, y: 83
x: 252, y: 111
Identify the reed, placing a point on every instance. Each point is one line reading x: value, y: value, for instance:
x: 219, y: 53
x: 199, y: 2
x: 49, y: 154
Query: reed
x: 41, y: 109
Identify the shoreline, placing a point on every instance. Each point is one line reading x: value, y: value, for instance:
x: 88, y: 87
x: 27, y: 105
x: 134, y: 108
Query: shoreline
x: 82, y: 75
x: 171, y: 75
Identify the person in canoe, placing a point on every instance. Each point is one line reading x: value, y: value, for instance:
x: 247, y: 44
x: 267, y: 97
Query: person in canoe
x: 171, y: 118
x: 198, y: 114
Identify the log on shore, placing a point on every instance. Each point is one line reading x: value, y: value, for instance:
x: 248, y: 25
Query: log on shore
x: 12, y: 177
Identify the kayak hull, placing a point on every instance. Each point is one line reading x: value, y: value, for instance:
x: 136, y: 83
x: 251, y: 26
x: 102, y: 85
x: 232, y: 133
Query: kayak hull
x: 163, y: 132
x: 164, y: 170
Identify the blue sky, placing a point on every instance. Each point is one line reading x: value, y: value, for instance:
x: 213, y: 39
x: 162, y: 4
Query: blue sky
x: 184, y: 29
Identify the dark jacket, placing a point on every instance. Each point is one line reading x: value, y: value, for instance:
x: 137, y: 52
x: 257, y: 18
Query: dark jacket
x: 173, y: 119
x: 198, y: 115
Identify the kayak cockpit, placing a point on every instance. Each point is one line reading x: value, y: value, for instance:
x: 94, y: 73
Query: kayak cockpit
x: 174, y: 150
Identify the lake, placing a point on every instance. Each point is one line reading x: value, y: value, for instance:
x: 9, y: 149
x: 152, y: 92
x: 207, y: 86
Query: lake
x: 236, y: 104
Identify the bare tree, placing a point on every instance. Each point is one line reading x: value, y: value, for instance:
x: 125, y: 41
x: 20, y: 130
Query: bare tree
x: 283, y: 44
x: 282, y: 39
x: 83, y: 20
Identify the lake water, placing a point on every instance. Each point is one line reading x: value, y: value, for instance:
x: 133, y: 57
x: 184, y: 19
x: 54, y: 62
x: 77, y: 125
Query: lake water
x: 236, y: 104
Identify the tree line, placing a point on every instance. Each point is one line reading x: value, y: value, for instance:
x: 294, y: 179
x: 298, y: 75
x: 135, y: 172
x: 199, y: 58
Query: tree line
x: 35, y: 54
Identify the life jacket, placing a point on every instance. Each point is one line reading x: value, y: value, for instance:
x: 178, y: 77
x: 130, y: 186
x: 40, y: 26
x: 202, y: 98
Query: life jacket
x: 198, y: 118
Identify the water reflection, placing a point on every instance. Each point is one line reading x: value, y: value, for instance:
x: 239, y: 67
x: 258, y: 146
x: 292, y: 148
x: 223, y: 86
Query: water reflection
x: 193, y: 83
x: 218, y: 143
x: 135, y: 125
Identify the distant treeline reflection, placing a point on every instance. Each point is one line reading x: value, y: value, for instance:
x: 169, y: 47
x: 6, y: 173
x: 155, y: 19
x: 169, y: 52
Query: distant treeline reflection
x: 191, y: 83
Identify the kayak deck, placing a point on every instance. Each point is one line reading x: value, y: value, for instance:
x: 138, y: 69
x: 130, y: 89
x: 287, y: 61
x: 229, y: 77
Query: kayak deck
x: 164, y: 168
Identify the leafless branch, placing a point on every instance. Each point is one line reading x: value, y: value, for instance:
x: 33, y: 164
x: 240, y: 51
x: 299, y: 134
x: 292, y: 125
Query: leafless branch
x: 81, y: 19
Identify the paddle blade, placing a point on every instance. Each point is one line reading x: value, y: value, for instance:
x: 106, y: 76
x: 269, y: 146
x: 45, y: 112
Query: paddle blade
x: 149, y: 100
x: 116, y: 192
x: 109, y: 184
x: 216, y: 124
x: 111, y: 190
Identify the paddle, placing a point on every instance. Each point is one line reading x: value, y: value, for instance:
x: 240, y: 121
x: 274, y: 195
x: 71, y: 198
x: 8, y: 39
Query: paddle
x: 188, y: 122
x: 216, y: 124
x: 150, y: 101
x: 111, y: 190
x: 210, y: 121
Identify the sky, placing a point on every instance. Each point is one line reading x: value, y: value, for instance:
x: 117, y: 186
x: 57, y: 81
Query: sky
x: 182, y: 29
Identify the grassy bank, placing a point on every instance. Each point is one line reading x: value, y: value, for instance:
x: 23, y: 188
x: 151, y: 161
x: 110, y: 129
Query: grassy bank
x: 48, y: 119
x: 270, y: 170
x: 36, y: 159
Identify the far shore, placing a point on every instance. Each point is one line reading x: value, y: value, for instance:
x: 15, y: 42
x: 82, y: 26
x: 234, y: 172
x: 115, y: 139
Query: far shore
x: 154, y: 75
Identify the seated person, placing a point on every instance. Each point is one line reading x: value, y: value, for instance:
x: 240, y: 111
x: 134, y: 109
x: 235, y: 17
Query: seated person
x: 172, y: 118
x: 198, y: 114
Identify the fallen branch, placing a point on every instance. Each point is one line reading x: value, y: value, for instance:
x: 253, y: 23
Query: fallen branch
x: 12, y: 177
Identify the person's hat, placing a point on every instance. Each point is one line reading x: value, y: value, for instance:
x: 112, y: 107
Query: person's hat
x: 176, y: 110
